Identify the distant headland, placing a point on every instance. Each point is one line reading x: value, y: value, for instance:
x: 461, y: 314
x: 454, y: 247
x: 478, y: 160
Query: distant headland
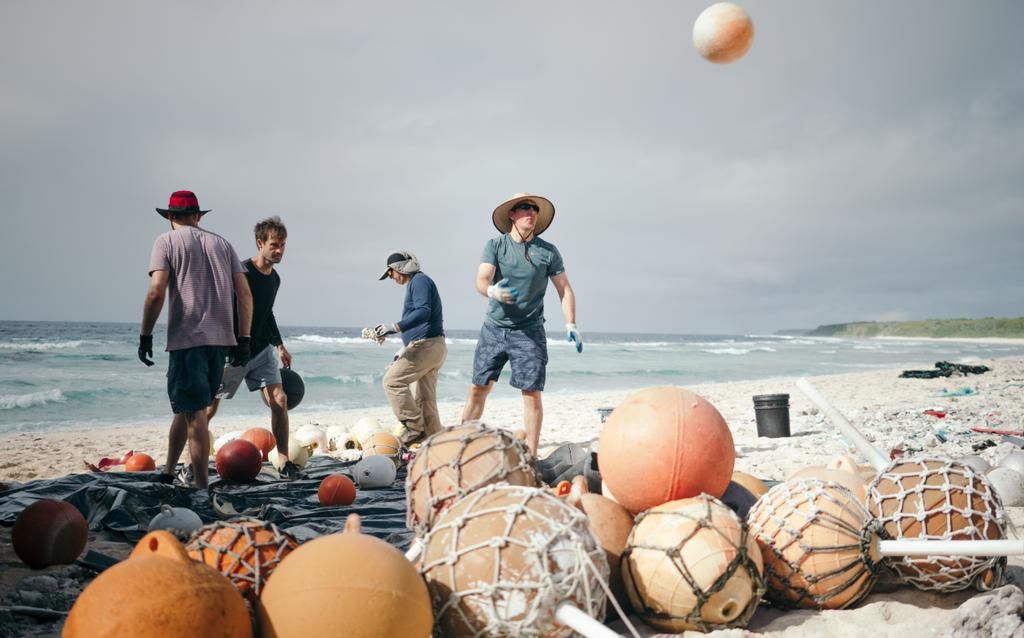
x: 987, y: 327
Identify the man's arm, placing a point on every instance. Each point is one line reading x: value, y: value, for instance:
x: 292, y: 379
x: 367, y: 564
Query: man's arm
x: 484, y: 277
x: 500, y: 291
x: 243, y: 303
x: 275, y: 339
x: 566, y: 295
x: 154, y: 302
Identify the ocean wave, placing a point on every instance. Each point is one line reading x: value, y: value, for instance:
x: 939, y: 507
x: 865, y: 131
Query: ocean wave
x: 12, y: 401
x: 369, y: 377
x: 737, y: 351
x: 39, y: 345
x: 333, y: 340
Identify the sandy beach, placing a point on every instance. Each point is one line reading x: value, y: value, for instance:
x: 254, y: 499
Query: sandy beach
x: 889, y: 410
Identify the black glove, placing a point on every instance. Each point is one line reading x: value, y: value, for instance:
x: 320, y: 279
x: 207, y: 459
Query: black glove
x: 146, y: 349
x: 240, y: 354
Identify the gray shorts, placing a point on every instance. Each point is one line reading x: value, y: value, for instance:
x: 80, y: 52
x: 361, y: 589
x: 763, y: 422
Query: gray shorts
x: 261, y: 371
x: 526, y: 350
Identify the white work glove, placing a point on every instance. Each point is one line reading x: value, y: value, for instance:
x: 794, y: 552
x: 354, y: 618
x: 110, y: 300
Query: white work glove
x: 572, y: 334
x: 502, y: 292
x: 384, y: 329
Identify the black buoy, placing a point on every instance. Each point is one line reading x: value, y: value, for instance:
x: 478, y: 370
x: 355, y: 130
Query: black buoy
x: 294, y: 388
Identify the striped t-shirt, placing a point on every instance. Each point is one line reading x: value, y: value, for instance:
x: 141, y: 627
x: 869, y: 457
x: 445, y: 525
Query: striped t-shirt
x: 200, y: 295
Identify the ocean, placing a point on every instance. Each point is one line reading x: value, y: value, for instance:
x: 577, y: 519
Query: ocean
x: 63, y: 375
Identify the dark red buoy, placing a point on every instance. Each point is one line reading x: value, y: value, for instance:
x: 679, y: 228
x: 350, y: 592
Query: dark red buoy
x: 239, y: 460
x: 49, y: 532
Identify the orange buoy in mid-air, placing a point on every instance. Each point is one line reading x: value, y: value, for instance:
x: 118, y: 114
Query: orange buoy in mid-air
x: 336, y: 489
x: 723, y: 33
x: 262, y: 438
x: 140, y: 462
x: 664, y: 444
x: 49, y: 532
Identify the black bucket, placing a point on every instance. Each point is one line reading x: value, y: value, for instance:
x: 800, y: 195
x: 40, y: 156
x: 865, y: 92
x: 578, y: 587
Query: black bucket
x: 772, y: 412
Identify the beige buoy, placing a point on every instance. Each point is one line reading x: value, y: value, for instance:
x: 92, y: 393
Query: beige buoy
x: 691, y: 565
x: 848, y: 478
x: 383, y: 444
x: 297, y: 454
x: 938, y: 499
x: 723, y: 33
x: 159, y: 592
x: 503, y: 560
x: 610, y: 523
x: 752, y: 484
x: 811, y: 535
x: 348, y: 584
x: 454, y: 462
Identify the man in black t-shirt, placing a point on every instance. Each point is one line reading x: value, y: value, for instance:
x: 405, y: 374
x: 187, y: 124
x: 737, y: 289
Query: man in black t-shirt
x: 263, y: 372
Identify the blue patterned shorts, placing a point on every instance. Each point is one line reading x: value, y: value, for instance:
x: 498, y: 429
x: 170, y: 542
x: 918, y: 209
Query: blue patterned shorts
x: 527, y: 350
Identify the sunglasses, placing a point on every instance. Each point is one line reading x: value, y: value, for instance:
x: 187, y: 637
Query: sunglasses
x: 526, y: 206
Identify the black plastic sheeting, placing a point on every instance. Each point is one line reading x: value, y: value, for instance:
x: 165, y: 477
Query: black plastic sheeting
x: 119, y: 505
x: 944, y: 369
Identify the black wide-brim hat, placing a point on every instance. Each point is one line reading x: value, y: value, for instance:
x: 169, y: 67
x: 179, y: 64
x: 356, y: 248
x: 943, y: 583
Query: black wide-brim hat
x: 182, y: 202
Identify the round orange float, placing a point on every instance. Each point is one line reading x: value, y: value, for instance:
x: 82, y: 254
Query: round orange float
x: 140, y: 462
x: 348, y: 584
x: 664, y: 444
x: 723, y: 33
x: 245, y: 550
x: 160, y: 593
x: 49, y: 532
x: 336, y: 489
x: 262, y: 438
x: 382, y: 444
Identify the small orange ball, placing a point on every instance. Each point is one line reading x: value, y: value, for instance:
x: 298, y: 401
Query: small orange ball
x: 49, y: 532
x: 262, y: 438
x: 140, y: 462
x: 336, y: 489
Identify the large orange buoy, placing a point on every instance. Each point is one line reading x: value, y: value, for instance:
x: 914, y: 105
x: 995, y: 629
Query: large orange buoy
x: 664, y: 444
x: 159, y: 593
x: 723, y: 33
x: 336, y: 489
x: 245, y: 550
x: 262, y: 438
x: 140, y: 462
x: 348, y: 584
x: 239, y: 460
x: 49, y: 532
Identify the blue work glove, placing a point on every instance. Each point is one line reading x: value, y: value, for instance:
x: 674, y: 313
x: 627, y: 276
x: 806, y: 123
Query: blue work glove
x: 146, y: 349
x: 384, y: 329
x: 502, y: 292
x: 572, y: 334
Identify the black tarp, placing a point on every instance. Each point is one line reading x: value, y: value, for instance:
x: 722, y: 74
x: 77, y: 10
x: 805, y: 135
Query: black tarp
x: 119, y: 505
x: 944, y: 369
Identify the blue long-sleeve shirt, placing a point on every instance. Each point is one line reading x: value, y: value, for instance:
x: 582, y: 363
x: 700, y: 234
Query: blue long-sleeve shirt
x: 421, y: 314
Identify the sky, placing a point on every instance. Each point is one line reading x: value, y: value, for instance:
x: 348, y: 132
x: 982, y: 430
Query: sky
x: 864, y: 161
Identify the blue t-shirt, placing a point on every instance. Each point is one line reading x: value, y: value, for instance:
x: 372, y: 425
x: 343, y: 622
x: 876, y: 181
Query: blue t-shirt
x: 421, y: 314
x: 528, y: 267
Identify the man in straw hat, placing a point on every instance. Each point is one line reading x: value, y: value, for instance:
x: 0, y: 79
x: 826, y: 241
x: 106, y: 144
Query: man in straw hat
x: 200, y: 275
x: 410, y: 383
x: 514, y: 273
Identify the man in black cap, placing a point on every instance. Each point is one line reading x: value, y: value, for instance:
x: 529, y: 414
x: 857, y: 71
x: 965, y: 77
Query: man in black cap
x: 410, y: 383
x: 199, y: 272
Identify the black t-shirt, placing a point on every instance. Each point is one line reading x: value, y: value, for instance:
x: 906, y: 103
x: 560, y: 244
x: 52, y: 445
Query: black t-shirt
x: 264, y: 292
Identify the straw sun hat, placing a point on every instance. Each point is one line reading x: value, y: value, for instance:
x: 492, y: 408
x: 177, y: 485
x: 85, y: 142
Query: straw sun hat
x: 544, y: 217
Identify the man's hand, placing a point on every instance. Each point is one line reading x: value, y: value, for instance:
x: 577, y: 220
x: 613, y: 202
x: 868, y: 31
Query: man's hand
x: 502, y: 292
x: 286, y: 357
x: 572, y: 334
x: 384, y: 329
x: 240, y: 354
x: 146, y: 349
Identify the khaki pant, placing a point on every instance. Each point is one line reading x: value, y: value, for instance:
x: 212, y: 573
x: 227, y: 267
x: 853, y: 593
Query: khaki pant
x: 410, y: 384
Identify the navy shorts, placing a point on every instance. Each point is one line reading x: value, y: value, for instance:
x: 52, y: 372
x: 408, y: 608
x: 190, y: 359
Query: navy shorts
x: 193, y: 376
x: 526, y: 349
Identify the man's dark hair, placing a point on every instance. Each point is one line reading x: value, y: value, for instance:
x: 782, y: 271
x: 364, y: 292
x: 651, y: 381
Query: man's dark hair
x: 182, y: 216
x: 268, y: 227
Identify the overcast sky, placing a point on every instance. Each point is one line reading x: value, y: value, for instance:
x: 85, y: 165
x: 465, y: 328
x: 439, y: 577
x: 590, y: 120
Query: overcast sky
x: 863, y: 161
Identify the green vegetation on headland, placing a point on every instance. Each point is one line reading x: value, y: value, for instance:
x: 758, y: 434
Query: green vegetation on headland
x: 937, y: 328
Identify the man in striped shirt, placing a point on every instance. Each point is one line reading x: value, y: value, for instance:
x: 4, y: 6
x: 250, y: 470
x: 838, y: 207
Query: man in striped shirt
x: 202, y: 279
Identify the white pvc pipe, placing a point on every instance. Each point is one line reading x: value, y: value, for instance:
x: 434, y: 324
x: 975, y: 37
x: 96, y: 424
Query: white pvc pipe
x: 849, y: 432
x: 414, y: 551
x: 918, y: 547
x: 573, y: 617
